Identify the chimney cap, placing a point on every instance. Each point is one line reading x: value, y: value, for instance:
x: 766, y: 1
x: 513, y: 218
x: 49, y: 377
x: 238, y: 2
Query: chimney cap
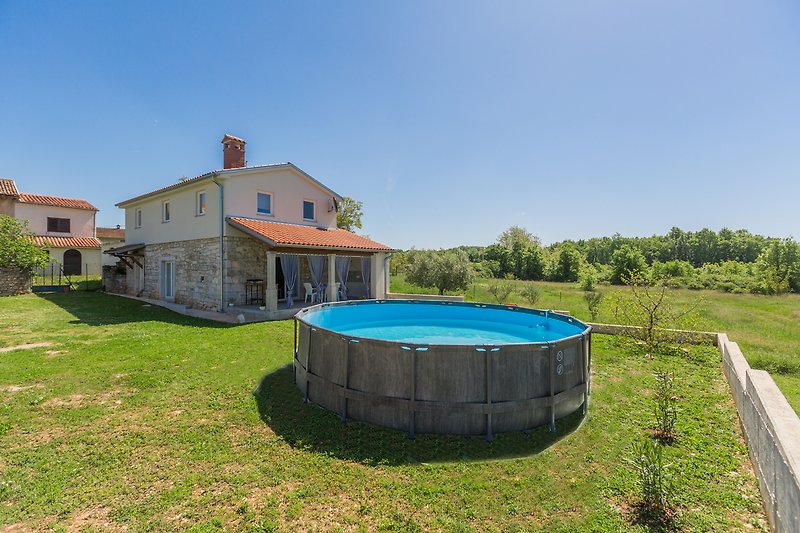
x: 231, y: 139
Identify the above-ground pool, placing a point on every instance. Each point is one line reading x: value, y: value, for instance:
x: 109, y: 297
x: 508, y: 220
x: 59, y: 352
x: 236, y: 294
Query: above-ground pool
x: 442, y: 367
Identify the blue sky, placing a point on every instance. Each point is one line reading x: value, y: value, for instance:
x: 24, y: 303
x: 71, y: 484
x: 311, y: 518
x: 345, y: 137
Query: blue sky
x: 451, y: 120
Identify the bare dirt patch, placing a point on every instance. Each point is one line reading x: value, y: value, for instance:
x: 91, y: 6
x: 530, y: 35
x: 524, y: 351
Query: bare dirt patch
x: 20, y: 388
x: 25, y: 346
x: 96, y: 517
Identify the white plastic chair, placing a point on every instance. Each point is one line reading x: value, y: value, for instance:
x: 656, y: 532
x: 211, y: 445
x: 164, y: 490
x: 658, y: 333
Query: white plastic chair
x: 311, y: 292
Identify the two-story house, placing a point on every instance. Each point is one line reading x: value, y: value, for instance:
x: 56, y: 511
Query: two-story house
x: 65, y: 226
x: 246, y: 235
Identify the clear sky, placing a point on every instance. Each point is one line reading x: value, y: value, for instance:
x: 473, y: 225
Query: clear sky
x: 451, y: 120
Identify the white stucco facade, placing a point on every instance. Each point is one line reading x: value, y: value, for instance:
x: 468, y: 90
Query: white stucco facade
x: 81, y: 220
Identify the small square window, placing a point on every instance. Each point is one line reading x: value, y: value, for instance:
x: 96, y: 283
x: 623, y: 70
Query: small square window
x: 165, y: 212
x: 138, y: 218
x: 201, y: 203
x: 264, y: 203
x: 308, y: 210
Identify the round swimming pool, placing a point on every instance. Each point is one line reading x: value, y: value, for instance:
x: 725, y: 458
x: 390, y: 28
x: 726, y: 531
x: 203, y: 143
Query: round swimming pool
x: 442, y: 367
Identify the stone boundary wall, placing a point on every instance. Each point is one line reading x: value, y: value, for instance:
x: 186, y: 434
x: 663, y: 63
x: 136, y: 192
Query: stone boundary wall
x: 435, y: 297
x: 772, y: 430
x: 115, y: 280
x: 14, y: 281
x: 682, y: 335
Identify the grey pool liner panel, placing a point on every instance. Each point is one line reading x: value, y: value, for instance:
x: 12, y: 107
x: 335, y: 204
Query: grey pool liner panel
x: 453, y: 389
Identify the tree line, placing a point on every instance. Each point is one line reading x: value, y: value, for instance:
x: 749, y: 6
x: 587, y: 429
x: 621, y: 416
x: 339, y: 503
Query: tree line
x: 733, y: 261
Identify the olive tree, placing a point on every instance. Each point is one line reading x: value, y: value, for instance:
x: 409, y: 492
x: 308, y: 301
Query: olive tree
x: 348, y: 214
x: 444, y: 270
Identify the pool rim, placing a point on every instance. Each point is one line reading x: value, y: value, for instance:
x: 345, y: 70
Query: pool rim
x: 547, y: 313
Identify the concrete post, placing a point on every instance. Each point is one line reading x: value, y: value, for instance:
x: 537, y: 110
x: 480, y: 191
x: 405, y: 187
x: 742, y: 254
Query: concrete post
x: 331, y: 295
x: 271, y: 292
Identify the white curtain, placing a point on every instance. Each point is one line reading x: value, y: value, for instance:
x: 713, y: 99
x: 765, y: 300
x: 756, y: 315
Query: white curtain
x: 366, y: 273
x: 289, y: 267
x: 316, y: 264
x: 342, y: 269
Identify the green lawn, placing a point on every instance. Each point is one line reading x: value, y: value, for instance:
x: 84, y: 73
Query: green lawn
x: 140, y: 418
x: 767, y: 328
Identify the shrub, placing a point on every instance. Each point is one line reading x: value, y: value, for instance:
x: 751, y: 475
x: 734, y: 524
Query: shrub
x: 627, y: 261
x: 17, y: 248
x: 531, y: 294
x: 593, y: 301
x: 665, y: 409
x: 447, y: 271
x: 653, y: 479
x: 500, y: 291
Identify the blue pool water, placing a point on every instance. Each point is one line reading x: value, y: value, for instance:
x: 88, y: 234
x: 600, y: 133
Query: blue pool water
x: 437, y: 323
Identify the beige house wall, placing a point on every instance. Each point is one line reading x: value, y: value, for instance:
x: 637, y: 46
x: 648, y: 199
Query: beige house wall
x: 91, y: 262
x: 81, y: 220
x: 7, y: 205
x: 288, y: 188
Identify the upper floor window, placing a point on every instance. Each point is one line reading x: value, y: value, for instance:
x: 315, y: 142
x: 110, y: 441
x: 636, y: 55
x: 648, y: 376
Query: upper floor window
x: 58, y: 225
x: 201, y: 203
x: 264, y: 203
x: 165, y: 211
x: 309, y: 211
x: 137, y: 218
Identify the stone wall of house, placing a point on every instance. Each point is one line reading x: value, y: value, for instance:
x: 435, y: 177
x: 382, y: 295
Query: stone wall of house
x: 115, y: 279
x: 14, y: 281
x: 245, y: 258
x: 196, y: 264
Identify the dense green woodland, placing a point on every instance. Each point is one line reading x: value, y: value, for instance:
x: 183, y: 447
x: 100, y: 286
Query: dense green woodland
x: 728, y: 260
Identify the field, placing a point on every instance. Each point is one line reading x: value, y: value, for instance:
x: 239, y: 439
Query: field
x: 130, y: 416
x: 767, y: 328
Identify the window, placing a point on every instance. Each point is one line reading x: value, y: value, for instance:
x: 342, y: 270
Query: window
x: 308, y: 210
x: 165, y: 214
x: 58, y: 225
x: 264, y: 203
x: 137, y: 218
x: 201, y: 203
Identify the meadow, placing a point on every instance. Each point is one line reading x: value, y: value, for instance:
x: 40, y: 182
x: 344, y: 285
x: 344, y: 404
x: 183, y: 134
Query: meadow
x: 128, y: 416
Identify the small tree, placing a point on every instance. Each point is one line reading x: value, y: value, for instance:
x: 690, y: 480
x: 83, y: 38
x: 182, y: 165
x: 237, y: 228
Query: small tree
x: 446, y: 271
x: 650, y: 308
x: 593, y: 301
x: 348, y: 215
x: 500, y: 291
x: 17, y: 248
x: 517, y: 234
x: 779, y: 265
x: 531, y: 293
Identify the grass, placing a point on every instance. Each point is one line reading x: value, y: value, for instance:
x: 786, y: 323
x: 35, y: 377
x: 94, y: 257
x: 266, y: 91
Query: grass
x: 767, y: 328
x: 140, y: 418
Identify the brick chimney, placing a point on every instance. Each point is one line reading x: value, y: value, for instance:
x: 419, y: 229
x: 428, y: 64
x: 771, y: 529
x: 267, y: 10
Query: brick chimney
x: 233, y: 152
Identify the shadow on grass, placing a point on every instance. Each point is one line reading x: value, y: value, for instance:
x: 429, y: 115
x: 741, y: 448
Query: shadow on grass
x: 654, y: 518
x: 99, y: 309
x: 310, y: 427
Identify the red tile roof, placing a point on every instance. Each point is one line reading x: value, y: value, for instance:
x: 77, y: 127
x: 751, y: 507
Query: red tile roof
x: 281, y: 234
x: 8, y: 187
x: 110, y: 233
x: 66, y: 242
x: 57, y: 201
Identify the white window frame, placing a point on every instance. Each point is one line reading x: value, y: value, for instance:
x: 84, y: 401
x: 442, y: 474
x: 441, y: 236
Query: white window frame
x: 312, y: 202
x: 137, y: 217
x: 201, y: 207
x: 166, y: 211
x: 271, y: 204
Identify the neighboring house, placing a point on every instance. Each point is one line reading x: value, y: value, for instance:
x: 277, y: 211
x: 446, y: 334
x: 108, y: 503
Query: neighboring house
x: 110, y: 238
x: 65, y: 226
x: 246, y: 235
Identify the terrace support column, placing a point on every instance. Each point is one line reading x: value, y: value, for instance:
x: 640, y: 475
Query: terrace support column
x: 271, y: 292
x: 331, y: 294
x: 378, y: 265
